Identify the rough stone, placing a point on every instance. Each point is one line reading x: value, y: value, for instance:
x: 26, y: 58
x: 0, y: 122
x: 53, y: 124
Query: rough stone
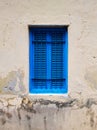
x: 12, y: 102
x: 25, y: 100
x: 49, y: 114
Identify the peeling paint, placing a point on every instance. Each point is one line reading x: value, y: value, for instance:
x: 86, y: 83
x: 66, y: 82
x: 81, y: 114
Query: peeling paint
x: 12, y: 83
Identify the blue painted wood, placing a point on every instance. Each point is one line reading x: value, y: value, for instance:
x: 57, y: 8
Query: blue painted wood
x: 65, y: 57
x: 48, y: 70
x: 48, y: 60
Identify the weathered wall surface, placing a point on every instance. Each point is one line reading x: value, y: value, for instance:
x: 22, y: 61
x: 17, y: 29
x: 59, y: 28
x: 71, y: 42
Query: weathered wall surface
x: 24, y: 113
x: 80, y: 15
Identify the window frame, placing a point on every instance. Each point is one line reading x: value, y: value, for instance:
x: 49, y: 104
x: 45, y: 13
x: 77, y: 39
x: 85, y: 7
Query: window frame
x: 65, y: 56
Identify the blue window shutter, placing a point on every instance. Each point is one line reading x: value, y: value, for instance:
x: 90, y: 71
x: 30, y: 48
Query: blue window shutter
x: 40, y: 60
x: 48, y: 60
x: 57, y: 60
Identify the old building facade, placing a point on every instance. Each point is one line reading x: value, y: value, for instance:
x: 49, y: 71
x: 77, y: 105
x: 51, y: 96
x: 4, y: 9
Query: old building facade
x: 75, y: 110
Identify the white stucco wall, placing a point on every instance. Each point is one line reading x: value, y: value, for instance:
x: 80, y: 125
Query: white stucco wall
x: 80, y: 15
x: 16, y: 15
